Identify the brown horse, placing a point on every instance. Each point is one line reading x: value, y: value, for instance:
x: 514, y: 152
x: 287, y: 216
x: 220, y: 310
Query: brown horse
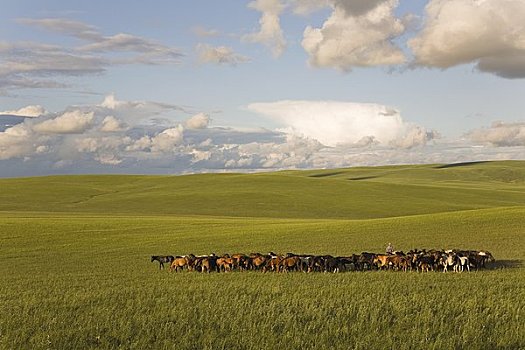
x: 258, y: 262
x: 225, y: 264
x: 290, y: 263
x: 179, y: 263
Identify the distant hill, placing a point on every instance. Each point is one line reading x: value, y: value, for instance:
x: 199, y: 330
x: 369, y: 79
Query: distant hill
x: 353, y: 193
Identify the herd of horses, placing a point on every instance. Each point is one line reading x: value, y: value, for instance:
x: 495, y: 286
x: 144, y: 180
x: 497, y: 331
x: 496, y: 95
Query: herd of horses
x: 414, y: 260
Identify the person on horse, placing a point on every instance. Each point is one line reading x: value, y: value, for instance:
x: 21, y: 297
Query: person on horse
x: 389, y: 249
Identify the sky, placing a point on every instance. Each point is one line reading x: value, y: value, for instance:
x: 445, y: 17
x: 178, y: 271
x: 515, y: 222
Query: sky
x: 175, y: 87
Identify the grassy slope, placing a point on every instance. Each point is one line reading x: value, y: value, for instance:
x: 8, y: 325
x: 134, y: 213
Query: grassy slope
x: 381, y: 192
x: 75, y: 275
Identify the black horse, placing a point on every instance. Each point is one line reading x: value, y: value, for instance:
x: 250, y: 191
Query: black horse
x: 162, y: 259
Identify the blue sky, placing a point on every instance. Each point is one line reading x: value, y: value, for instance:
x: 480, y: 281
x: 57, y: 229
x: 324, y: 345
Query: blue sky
x: 295, y: 83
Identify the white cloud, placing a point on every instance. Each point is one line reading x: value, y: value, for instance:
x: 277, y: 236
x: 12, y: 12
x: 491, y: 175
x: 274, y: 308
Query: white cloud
x: 357, y: 34
x: 167, y: 139
x: 270, y: 32
x: 198, y: 121
x: 73, y: 122
x: 134, y: 111
x: 105, y: 150
x: 500, y: 134
x: 490, y: 33
x: 28, y: 111
x: 112, y: 124
x: 414, y: 136
x: 111, y: 102
x: 16, y: 141
x: 219, y: 55
x: 92, y: 139
x: 165, y: 142
x: 333, y: 123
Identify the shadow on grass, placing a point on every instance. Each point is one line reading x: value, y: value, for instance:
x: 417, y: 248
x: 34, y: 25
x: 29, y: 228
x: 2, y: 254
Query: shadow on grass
x: 327, y: 174
x: 362, y: 178
x: 506, y: 264
x: 453, y: 165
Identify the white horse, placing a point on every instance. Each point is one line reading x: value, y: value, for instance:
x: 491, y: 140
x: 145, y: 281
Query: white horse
x: 451, y: 261
x: 463, y: 262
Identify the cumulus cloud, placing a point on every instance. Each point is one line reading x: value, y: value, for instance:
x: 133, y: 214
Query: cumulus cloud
x: 500, y: 134
x: 16, y: 142
x: 219, y: 55
x: 414, y: 136
x: 198, y: 121
x: 28, y: 111
x: 270, y: 32
x: 163, y: 142
x: 167, y: 139
x: 333, y: 123
x: 112, y: 124
x: 106, y: 133
x: 74, y: 122
x: 357, y: 34
x: 105, y: 150
x: 490, y: 33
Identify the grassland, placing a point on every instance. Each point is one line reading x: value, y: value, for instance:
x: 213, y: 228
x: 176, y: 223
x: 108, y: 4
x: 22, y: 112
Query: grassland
x: 75, y: 273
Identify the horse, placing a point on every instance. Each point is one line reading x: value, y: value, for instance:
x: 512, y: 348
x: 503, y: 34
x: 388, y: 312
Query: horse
x: 162, y: 259
x: 463, y: 263
x: 290, y: 263
x: 179, y: 263
x: 450, y: 261
x: 225, y: 263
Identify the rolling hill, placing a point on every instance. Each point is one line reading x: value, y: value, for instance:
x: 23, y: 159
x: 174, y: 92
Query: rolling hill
x: 355, y: 193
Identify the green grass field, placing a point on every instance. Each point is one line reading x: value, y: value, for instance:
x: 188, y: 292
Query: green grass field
x: 75, y: 270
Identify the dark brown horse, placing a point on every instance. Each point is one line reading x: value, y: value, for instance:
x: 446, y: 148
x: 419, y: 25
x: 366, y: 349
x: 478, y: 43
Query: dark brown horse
x: 162, y: 259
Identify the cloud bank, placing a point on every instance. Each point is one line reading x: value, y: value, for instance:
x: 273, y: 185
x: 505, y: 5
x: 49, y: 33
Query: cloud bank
x: 500, y: 134
x: 32, y: 111
x: 118, y: 136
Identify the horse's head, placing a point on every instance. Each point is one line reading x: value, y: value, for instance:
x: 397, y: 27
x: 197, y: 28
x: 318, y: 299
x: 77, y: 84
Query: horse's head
x: 153, y: 258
